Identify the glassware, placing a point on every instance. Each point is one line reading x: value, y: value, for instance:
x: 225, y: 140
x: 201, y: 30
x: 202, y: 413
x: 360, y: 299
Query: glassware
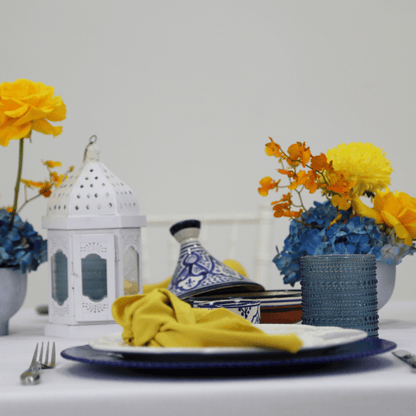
x: 340, y: 290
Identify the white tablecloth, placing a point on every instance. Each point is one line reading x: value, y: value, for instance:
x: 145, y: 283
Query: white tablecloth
x: 378, y: 385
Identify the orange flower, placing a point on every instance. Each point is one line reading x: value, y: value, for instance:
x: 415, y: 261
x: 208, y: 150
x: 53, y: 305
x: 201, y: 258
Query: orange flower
x: 46, y: 190
x: 288, y: 173
x: 267, y: 184
x: 56, y: 179
x: 339, y: 182
x: 31, y: 184
x: 45, y: 187
x: 8, y: 208
x: 50, y: 164
x: 318, y: 174
x: 298, y: 153
x: 308, y: 180
x: 319, y: 163
x: 282, y: 207
x: 273, y: 149
x: 343, y: 202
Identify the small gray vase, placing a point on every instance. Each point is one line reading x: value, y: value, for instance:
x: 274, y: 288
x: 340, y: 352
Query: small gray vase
x: 12, y: 295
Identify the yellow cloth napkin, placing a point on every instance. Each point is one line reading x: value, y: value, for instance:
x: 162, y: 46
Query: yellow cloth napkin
x: 160, y: 319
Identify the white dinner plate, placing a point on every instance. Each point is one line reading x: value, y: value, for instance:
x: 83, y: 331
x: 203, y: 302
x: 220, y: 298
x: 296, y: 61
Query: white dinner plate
x: 313, y: 337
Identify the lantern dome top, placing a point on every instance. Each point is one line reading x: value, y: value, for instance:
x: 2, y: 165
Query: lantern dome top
x: 92, y: 197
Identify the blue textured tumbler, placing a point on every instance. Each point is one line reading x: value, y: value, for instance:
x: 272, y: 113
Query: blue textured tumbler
x: 340, y: 290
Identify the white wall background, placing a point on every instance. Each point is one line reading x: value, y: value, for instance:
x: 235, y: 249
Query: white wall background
x: 184, y: 94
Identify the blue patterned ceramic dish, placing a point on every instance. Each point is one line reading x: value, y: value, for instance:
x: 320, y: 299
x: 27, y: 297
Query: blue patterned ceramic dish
x: 197, y: 272
x: 248, y: 309
x: 276, y: 306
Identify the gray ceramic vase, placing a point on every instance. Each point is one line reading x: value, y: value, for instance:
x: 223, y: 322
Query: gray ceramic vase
x: 12, y: 295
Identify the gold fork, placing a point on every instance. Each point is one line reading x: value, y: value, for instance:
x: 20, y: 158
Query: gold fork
x: 44, y: 365
x: 32, y: 376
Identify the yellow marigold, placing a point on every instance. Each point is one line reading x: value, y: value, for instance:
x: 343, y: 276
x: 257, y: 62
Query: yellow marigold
x: 396, y: 210
x: 364, y: 163
x: 25, y: 106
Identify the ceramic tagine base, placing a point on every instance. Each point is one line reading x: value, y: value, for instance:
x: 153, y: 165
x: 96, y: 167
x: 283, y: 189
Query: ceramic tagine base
x: 199, y: 273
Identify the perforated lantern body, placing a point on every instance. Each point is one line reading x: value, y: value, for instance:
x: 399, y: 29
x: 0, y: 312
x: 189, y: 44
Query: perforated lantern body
x: 94, y: 244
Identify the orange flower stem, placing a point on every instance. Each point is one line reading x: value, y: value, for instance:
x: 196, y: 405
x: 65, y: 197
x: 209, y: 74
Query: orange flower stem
x: 17, y: 186
x: 306, y: 224
x: 27, y: 201
x: 300, y: 198
x: 323, y: 177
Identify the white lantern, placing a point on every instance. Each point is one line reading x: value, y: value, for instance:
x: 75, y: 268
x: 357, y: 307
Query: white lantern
x: 94, y: 249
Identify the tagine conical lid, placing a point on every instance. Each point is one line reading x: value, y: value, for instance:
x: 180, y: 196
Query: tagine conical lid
x: 199, y: 273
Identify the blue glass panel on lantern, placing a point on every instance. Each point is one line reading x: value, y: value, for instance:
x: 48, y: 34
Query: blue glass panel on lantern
x: 94, y: 277
x: 59, y: 267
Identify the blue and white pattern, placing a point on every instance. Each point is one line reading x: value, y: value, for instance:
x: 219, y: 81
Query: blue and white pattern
x: 197, y: 272
x: 251, y: 313
x: 247, y: 309
x: 196, y: 268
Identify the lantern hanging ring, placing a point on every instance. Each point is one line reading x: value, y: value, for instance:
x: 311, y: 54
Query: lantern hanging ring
x: 91, y: 141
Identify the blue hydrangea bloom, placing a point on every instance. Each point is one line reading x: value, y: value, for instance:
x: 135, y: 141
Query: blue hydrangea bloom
x: 356, y: 235
x: 394, y: 252
x: 21, y: 247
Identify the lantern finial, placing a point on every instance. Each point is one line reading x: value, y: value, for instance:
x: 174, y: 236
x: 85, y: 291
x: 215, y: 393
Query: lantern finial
x: 91, y: 151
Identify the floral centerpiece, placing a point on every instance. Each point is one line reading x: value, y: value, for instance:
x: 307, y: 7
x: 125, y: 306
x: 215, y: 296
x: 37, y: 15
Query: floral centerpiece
x: 26, y: 106
x: 342, y: 223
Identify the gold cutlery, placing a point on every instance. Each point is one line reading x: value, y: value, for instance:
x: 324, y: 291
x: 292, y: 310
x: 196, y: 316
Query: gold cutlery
x: 406, y: 356
x: 32, y: 375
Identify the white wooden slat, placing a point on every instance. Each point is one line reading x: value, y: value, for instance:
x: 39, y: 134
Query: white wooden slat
x: 173, y: 253
x: 233, y: 240
x: 264, y: 237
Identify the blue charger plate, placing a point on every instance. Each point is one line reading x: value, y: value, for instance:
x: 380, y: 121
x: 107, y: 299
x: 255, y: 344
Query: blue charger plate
x: 364, y: 348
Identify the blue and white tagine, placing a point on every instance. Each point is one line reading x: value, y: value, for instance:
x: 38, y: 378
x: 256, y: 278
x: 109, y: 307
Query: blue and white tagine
x: 247, y: 309
x: 197, y: 272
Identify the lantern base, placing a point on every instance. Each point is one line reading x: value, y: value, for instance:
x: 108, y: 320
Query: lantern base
x: 81, y: 331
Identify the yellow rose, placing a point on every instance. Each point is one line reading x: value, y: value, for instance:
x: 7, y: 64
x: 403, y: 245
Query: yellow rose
x: 396, y: 210
x: 27, y: 105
